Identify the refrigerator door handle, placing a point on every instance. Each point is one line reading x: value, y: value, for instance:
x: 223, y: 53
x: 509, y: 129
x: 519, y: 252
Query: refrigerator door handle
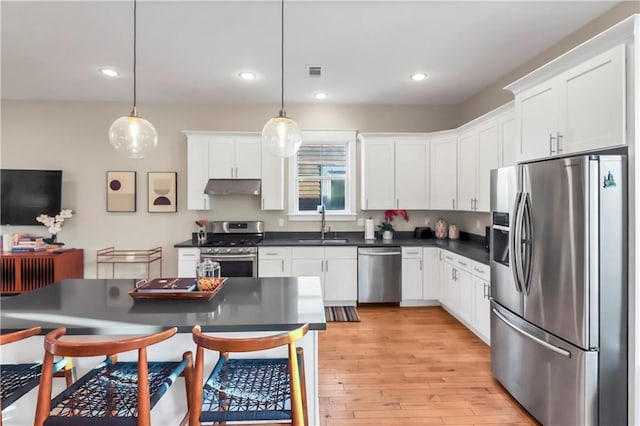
x: 541, y: 342
x: 526, y: 242
x: 515, y: 237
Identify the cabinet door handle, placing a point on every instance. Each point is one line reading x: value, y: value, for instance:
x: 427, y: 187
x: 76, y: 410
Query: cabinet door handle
x: 262, y: 204
x: 559, y: 145
x: 206, y: 202
x: 421, y: 264
x: 484, y: 291
x: 366, y: 204
x: 551, y: 139
x: 397, y: 203
x: 453, y: 203
x: 327, y: 267
x: 232, y: 172
x: 282, y: 265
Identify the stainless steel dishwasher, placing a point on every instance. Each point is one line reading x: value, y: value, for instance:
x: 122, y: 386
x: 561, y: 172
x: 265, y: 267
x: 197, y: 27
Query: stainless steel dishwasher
x: 379, y: 274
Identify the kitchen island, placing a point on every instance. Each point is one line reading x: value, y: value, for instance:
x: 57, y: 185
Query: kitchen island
x: 103, y: 307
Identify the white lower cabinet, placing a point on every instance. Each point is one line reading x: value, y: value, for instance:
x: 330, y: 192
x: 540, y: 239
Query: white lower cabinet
x: 466, y: 291
x: 412, y: 272
x: 274, y: 261
x: 481, y: 316
x: 188, y: 258
x: 337, y: 268
x: 420, y: 276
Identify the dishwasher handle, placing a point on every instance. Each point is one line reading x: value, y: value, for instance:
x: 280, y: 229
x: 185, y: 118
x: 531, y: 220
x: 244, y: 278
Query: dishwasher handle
x: 387, y: 253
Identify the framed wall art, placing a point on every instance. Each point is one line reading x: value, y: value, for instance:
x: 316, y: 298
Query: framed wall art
x: 121, y: 191
x: 161, y: 189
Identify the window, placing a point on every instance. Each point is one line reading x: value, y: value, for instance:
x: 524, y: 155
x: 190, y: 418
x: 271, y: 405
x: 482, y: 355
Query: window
x: 323, y: 173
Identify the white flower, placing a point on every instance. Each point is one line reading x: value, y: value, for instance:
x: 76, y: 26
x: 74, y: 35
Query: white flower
x: 54, y: 224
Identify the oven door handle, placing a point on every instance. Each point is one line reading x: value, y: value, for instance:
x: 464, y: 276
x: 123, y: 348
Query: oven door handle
x: 231, y: 257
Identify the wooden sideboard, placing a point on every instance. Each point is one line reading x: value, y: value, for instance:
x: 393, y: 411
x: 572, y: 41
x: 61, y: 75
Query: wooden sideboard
x: 23, y: 272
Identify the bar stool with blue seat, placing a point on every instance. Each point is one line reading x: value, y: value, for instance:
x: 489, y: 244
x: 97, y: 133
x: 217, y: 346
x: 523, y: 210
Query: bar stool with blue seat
x: 253, y: 389
x: 113, y: 393
x: 16, y: 380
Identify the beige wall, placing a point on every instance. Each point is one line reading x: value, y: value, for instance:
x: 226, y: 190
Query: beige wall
x: 72, y: 136
x: 493, y: 95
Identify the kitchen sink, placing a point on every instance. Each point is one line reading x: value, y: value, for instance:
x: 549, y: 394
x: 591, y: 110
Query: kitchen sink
x: 325, y: 241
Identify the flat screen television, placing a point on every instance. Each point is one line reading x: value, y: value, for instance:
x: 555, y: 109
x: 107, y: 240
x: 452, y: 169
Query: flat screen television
x: 25, y: 194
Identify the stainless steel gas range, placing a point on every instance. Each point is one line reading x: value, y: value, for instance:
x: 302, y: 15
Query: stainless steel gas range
x: 235, y: 246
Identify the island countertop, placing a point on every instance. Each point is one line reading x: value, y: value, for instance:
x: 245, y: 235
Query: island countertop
x: 103, y: 306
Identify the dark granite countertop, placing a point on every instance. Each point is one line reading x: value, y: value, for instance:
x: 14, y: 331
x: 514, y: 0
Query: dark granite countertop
x: 469, y: 245
x: 103, y: 306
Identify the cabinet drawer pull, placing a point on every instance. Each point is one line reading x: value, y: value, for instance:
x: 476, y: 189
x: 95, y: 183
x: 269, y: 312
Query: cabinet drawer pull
x: 271, y: 254
x: 551, y: 139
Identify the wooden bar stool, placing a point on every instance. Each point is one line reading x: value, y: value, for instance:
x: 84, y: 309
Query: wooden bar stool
x: 16, y: 380
x: 114, y: 392
x: 249, y: 389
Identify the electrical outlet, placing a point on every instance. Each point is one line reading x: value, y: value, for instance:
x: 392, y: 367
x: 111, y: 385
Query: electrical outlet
x: 281, y: 222
x: 426, y: 221
x: 477, y: 224
x: 360, y: 221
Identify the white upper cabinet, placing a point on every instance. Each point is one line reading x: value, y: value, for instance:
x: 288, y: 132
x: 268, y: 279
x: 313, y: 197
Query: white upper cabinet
x: 377, y: 174
x: 576, y: 110
x: 234, y: 157
x: 488, y: 158
x: 272, y: 181
x: 467, y: 169
x: 412, y: 174
x: 593, y: 107
x: 537, y: 115
x: 444, y: 148
x: 198, y: 173
x: 507, y: 136
x: 395, y: 172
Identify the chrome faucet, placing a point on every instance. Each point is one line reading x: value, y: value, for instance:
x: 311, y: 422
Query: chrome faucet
x: 323, y: 222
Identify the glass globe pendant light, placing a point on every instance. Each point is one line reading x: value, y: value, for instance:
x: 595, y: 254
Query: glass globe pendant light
x: 131, y: 135
x: 281, y: 135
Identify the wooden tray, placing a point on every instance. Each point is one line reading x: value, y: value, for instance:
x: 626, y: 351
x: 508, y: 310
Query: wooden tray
x: 179, y: 295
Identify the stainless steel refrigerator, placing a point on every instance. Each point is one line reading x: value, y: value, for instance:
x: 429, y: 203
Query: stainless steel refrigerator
x: 559, y: 288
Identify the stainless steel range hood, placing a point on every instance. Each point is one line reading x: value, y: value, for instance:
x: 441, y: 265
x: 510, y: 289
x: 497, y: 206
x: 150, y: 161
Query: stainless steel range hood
x: 233, y: 186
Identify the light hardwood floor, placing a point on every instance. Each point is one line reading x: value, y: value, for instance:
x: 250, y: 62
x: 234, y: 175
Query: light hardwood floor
x: 409, y: 366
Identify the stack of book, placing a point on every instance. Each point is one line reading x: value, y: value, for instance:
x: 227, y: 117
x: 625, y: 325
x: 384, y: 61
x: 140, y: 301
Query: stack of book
x: 27, y: 245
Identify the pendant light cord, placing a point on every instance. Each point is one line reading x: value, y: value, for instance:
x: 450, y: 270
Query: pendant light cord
x: 135, y: 6
x: 282, y: 113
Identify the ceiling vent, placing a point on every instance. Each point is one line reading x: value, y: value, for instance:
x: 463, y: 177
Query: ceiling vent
x: 314, y: 71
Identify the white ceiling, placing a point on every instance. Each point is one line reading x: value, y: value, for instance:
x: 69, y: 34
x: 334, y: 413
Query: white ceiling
x: 193, y: 51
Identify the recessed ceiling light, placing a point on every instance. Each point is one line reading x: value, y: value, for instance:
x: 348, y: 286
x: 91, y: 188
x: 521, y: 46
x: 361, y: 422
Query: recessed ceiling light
x: 246, y: 75
x: 320, y: 95
x: 419, y: 76
x: 109, y: 72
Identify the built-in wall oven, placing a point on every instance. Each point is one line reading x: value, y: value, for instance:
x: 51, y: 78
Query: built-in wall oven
x: 234, y: 245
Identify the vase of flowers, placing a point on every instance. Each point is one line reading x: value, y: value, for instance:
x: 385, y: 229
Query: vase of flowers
x: 54, y: 224
x: 387, y: 227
